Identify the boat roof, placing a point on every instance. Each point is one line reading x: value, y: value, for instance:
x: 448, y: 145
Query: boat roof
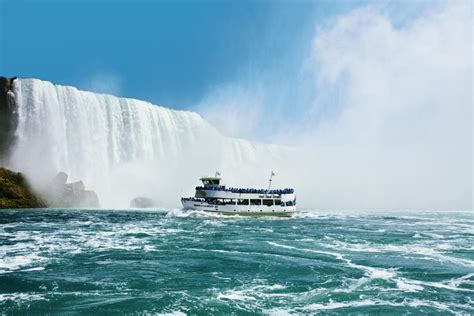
x: 210, y: 178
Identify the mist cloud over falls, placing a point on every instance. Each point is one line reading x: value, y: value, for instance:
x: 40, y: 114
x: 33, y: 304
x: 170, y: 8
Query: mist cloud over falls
x: 389, y: 121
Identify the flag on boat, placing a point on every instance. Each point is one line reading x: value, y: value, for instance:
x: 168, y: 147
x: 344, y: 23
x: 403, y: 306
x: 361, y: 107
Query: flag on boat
x: 273, y: 173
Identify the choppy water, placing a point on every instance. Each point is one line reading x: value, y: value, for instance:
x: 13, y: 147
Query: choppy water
x: 190, y: 263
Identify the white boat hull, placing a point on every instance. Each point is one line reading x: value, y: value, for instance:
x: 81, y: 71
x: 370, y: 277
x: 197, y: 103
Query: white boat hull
x: 242, y: 210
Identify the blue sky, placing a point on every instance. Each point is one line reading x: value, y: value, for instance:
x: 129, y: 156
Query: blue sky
x: 166, y: 52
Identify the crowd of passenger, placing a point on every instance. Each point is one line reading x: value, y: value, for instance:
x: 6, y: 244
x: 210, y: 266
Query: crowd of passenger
x: 208, y: 201
x: 242, y: 190
x: 194, y: 199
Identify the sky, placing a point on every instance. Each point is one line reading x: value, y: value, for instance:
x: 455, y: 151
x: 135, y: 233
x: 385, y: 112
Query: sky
x: 378, y: 94
x: 166, y: 52
x: 172, y: 53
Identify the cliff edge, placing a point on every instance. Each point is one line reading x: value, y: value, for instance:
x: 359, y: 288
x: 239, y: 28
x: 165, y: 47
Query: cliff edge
x: 8, y: 119
x: 15, y: 191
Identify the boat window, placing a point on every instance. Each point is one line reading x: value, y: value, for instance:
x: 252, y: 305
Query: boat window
x: 277, y: 202
x: 243, y: 202
x: 255, y: 202
x: 268, y: 202
x: 229, y: 201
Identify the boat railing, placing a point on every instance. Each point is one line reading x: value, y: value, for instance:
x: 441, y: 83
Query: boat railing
x: 214, y: 201
x: 208, y: 201
x: 244, y: 190
x: 194, y: 199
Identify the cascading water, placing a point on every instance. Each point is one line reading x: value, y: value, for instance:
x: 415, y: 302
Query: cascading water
x: 123, y: 148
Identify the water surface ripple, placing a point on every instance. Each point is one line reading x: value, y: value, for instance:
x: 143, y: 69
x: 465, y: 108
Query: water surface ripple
x: 162, y: 262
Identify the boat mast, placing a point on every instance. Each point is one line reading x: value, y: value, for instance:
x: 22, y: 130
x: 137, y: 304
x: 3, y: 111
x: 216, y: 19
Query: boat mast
x: 270, y: 180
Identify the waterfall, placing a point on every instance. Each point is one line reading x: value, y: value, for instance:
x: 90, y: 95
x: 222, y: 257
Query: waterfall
x: 123, y: 148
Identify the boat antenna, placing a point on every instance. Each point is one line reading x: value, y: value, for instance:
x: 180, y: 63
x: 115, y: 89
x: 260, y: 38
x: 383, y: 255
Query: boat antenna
x: 270, y: 180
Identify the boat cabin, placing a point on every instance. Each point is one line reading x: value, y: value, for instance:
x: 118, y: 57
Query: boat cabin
x: 212, y: 182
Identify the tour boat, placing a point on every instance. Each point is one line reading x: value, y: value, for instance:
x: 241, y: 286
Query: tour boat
x: 216, y: 198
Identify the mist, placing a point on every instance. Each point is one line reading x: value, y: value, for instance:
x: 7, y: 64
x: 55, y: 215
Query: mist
x: 388, y: 120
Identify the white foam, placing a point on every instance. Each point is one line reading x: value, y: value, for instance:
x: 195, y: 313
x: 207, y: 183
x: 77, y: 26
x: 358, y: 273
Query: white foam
x: 353, y: 285
x: 14, y: 263
x: 278, y: 312
x: 34, y: 269
x: 193, y: 213
x: 433, y: 235
x: 336, y: 255
x: 234, y: 296
x: 452, y: 285
x: 331, y: 305
x: 270, y: 287
x: 371, y: 272
x: 336, y: 305
x: 20, y: 298
x: 466, y: 279
x: 408, y: 287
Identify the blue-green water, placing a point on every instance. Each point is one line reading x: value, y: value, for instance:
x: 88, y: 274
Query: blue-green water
x: 159, y: 262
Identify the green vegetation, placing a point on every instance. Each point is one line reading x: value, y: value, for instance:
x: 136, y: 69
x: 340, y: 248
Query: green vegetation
x: 15, y: 191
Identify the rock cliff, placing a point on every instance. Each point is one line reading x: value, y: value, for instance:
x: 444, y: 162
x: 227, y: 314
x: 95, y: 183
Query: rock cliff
x: 15, y: 191
x: 63, y: 194
x: 8, y: 120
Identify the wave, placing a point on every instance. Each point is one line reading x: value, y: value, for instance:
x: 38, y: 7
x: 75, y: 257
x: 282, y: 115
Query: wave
x: 20, y: 298
x: 369, y: 272
x: 392, y: 275
x: 332, y: 305
x: 16, y: 262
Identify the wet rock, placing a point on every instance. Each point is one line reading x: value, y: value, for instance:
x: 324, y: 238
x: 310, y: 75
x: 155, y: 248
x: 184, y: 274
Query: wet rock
x: 74, y: 194
x: 60, y: 178
x: 75, y: 186
x: 84, y: 198
x: 142, y: 202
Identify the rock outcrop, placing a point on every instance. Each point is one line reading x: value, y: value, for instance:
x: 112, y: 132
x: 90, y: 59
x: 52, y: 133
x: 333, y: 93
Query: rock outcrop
x: 15, y: 191
x: 63, y: 194
x: 142, y: 202
x: 8, y: 121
